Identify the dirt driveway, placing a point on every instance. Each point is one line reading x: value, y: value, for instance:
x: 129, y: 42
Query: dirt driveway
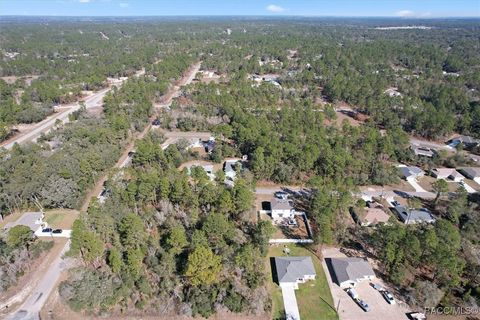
x: 349, y: 310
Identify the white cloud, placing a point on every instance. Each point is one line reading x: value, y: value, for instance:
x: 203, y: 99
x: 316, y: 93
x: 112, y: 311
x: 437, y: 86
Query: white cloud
x: 275, y: 8
x: 412, y: 14
x: 84, y: 1
x: 405, y: 13
x: 123, y: 4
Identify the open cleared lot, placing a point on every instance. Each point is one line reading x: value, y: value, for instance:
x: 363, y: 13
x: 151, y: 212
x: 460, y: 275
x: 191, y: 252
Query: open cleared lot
x: 313, y: 297
x: 426, y: 183
x: 349, y: 310
x: 61, y: 218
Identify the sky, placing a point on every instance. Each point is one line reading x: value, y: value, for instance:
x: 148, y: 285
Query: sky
x: 343, y: 8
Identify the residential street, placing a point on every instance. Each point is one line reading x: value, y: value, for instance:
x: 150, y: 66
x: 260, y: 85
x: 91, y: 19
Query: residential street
x: 30, y: 309
x: 369, y: 193
x: 47, y: 124
x: 430, y: 144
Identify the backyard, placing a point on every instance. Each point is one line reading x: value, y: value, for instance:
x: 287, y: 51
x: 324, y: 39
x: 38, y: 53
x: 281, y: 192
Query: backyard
x: 314, y: 298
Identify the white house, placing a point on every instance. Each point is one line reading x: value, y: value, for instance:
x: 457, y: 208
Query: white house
x: 290, y: 272
x: 411, y: 172
x: 229, y: 167
x: 294, y: 270
x: 442, y: 173
x: 456, y: 176
x: 281, y: 209
x: 347, y: 272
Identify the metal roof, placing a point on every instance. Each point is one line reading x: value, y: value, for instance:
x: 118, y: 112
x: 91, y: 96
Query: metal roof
x: 280, y: 204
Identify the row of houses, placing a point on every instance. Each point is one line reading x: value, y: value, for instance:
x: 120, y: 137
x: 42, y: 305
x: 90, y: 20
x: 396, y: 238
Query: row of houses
x: 457, y: 175
x: 371, y: 216
x: 467, y: 141
x: 346, y: 272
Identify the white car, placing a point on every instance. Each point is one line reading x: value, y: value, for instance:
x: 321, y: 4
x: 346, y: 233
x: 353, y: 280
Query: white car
x: 389, y: 297
x: 352, y: 293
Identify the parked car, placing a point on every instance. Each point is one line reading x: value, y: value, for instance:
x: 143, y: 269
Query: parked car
x: 156, y: 122
x: 395, y: 203
x: 363, y: 305
x: 352, y: 293
x: 57, y: 231
x: 281, y: 195
x: 292, y: 222
x: 105, y: 193
x: 377, y: 287
x: 389, y: 297
x: 47, y: 230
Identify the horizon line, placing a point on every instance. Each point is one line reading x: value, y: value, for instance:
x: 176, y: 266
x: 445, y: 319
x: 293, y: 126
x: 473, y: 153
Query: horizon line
x: 246, y: 15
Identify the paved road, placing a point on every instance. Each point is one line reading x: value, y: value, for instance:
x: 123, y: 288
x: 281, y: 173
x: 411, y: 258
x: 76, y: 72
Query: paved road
x: 30, y: 309
x: 47, y: 124
x: 271, y: 190
x: 439, y: 146
x: 364, y: 194
x: 396, y: 193
x: 430, y: 144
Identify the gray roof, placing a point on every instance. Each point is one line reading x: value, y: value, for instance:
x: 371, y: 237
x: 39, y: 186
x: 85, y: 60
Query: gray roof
x: 413, y: 215
x: 351, y: 269
x: 410, y: 171
x: 466, y: 139
x: 230, y: 164
x: 455, y: 174
x: 421, y: 151
x: 33, y: 220
x: 289, y: 269
x: 471, y: 172
x: 280, y: 204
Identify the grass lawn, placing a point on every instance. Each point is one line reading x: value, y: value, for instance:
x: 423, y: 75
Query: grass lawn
x: 61, y: 218
x: 313, y: 297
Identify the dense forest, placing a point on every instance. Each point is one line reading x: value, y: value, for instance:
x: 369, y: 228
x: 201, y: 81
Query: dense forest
x: 166, y: 242
x: 171, y: 241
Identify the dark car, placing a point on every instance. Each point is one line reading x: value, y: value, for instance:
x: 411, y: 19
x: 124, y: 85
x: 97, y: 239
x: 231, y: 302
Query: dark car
x: 57, y: 231
x: 281, y: 195
x: 156, y: 122
x: 47, y: 230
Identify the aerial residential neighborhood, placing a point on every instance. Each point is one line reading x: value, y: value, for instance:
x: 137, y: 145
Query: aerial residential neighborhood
x: 240, y: 160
